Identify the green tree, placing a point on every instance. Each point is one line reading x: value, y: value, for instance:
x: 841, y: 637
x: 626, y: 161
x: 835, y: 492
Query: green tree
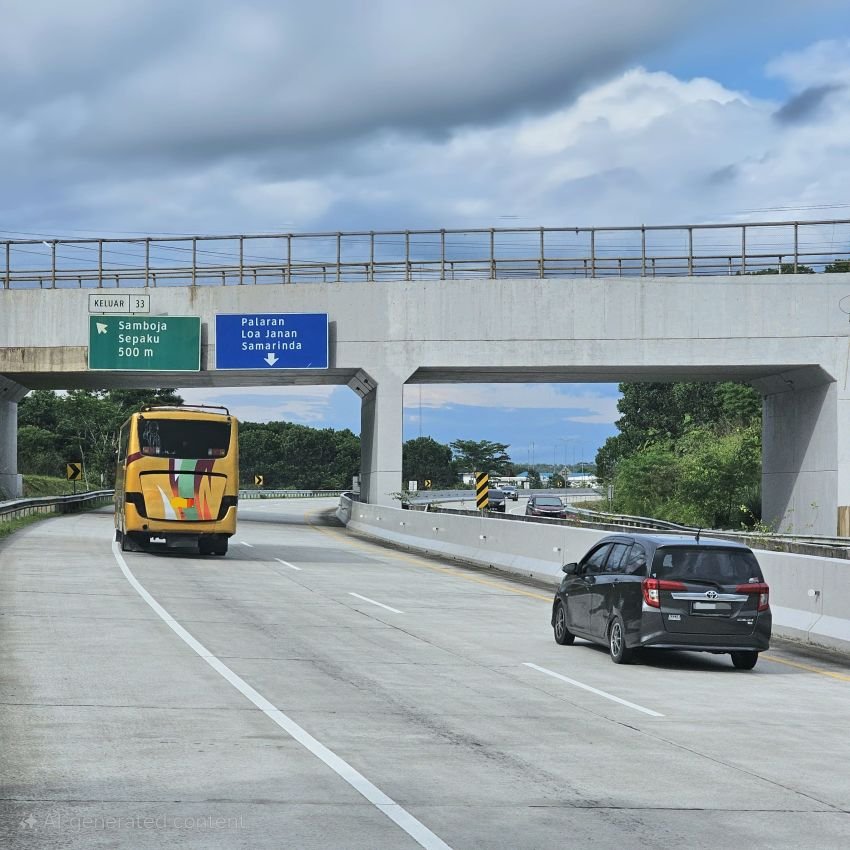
x: 482, y: 456
x: 786, y: 268
x: 838, y: 266
x: 424, y: 459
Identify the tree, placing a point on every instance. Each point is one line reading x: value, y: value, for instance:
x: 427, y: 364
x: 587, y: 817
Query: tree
x: 786, y: 268
x: 426, y: 459
x: 483, y: 456
x: 838, y: 266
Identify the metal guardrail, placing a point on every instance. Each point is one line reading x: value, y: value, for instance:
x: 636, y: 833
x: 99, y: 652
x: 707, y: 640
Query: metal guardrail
x: 17, y: 508
x: 289, y: 494
x: 444, y: 254
x: 834, y: 547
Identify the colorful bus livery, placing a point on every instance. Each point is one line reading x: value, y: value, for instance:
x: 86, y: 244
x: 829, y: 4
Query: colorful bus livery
x: 178, y: 478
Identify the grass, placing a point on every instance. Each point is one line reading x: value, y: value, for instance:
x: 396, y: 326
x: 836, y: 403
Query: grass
x: 46, y: 485
x: 35, y: 486
x: 10, y: 526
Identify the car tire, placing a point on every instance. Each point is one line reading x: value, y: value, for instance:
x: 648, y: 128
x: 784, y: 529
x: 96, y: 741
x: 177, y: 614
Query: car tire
x: 620, y: 653
x: 744, y: 660
x: 563, y: 636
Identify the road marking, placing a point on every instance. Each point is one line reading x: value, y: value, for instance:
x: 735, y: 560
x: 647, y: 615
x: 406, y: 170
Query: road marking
x: 605, y: 694
x: 418, y: 562
x: 381, y: 604
x: 287, y: 564
x: 838, y: 676
x: 400, y: 816
x: 246, y: 544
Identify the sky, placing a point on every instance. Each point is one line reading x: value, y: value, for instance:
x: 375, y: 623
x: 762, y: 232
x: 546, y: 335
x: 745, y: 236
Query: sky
x: 157, y: 118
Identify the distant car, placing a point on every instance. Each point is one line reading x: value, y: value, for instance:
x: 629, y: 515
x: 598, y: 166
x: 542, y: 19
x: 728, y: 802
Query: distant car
x: 541, y: 505
x: 510, y: 492
x: 496, y: 500
x: 633, y: 591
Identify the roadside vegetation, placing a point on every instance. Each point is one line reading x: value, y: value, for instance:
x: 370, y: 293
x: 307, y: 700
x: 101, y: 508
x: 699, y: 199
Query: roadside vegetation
x: 687, y: 453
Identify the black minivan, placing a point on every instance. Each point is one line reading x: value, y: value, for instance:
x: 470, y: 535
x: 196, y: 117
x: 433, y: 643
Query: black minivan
x: 665, y: 592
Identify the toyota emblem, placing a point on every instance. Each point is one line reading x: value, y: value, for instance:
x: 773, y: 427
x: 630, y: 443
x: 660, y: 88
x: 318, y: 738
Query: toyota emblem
x: 711, y: 594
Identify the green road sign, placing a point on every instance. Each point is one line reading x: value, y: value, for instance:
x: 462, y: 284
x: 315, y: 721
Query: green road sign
x: 160, y: 343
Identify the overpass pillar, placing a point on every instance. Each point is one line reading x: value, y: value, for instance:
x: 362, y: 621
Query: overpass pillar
x: 805, y: 452
x: 11, y: 483
x: 381, y: 433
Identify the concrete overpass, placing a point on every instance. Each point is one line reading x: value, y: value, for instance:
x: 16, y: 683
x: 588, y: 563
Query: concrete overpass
x: 785, y: 334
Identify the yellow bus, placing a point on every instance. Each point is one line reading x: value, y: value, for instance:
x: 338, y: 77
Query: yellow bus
x: 177, y: 478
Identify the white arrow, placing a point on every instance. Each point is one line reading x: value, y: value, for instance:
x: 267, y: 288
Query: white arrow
x: 271, y: 359
x: 101, y: 329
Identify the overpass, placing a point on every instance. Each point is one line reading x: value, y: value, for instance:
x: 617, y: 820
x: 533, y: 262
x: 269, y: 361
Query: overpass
x: 533, y: 309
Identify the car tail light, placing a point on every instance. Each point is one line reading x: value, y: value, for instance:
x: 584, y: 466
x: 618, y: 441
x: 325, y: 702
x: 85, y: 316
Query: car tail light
x: 761, y: 589
x: 653, y: 586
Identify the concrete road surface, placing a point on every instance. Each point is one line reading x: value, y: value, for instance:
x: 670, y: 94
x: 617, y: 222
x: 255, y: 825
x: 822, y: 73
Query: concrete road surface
x: 315, y: 690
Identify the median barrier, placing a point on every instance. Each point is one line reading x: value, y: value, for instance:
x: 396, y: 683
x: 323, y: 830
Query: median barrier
x: 809, y: 594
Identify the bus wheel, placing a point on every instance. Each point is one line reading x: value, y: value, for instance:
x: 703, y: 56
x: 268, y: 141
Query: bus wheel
x: 205, y: 546
x: 221, y: 547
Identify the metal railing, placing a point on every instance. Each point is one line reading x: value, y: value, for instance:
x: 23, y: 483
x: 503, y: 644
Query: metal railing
x: 18, y: 508
x: 289, y: 494
x: 487, y: 253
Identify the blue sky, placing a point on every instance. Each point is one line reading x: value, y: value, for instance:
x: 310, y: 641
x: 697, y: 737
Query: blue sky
x: 208, y: 117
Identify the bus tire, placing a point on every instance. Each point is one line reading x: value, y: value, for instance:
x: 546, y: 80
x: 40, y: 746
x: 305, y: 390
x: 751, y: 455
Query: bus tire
x: 205, y: 546
x: 220, y: 547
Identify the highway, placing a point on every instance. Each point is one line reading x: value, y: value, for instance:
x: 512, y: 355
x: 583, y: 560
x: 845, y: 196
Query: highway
x: 313, y: 689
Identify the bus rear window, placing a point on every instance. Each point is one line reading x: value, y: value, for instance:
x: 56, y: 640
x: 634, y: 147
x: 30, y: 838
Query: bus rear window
x: 184, y: 439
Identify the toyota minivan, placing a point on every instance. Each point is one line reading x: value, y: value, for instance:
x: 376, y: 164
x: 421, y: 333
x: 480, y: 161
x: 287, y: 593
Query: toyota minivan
x: 634, y: 591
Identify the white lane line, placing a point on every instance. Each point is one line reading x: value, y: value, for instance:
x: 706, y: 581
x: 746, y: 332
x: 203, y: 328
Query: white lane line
x: 381, y: 604
x: 414, y: 828
x: 246, y: 544
x: 605, y: 694
x: 287, y: 564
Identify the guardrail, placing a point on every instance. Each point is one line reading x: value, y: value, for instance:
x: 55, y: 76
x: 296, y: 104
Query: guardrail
x: 289, y: 494
x: 18, y: 508
x: 392, y: 255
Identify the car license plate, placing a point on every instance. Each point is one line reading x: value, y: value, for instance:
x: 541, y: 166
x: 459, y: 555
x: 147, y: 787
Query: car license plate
x: 712, y: 606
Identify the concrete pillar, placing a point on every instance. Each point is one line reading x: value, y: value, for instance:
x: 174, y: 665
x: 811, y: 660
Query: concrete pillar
x: 804, y: 472
x: 11, y: 483
x: 381, y: 433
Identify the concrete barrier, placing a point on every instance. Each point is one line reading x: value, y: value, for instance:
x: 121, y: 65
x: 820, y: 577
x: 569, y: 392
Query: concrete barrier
x: 809, y: 595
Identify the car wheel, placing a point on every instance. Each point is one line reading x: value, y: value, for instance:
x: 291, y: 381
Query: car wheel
x: 563, y: 635
x: 744, y: 660
x: 620, y: 653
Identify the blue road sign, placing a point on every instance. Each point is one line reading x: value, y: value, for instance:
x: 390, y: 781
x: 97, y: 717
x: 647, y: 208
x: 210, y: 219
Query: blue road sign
x: 271, y: 341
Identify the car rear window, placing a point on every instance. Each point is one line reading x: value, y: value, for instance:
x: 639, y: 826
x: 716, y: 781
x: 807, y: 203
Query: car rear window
x: 727, y: 566
x: 549, y: 501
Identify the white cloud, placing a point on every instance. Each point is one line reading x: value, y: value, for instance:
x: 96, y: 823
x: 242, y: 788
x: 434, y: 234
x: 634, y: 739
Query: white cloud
x: 591, y: 407
x: 304, y: 405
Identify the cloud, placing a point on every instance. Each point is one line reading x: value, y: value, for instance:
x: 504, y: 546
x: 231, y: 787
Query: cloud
x: 805, y: 104
x: 304, y: 405
x: 596, y: 406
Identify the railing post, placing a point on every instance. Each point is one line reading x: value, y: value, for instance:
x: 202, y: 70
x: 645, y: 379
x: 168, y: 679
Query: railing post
x: 195, y: 262
x: 690, y: 251
x: 542, y: 255
x: 289, y: 258
x: 593, y: 252
x: 643, y: 250
x: 492, y: 253
x: 100, y: 264
x: 338, y: 256
x: 147, y: 260
x: 443, y: 254
x: 407, y: 255
x: 743, y: 249
x: 372, y: 255
x: 8, y: 264
x: 796, y: 246
x: 241, y: 260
